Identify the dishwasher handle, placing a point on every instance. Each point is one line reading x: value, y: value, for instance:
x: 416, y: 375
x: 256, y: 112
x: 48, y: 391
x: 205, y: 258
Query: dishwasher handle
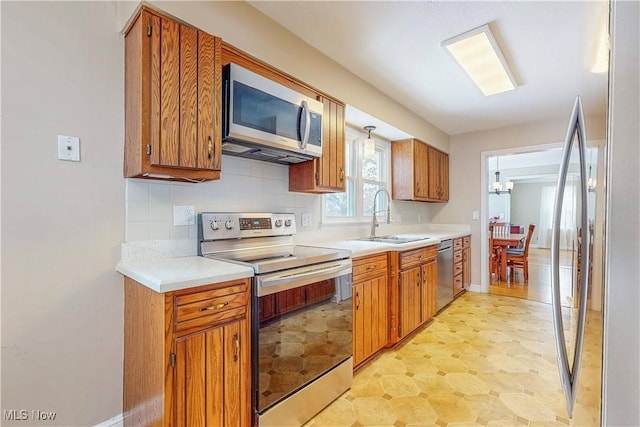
x: 445, y: 245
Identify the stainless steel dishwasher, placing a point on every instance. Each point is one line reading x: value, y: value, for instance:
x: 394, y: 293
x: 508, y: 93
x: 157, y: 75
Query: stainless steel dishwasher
x: 445, y: 273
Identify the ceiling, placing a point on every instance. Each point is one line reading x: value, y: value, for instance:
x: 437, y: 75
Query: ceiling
x: 396, y: 47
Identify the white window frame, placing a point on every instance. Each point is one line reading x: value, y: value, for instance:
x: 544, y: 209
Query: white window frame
x: 356, y: 139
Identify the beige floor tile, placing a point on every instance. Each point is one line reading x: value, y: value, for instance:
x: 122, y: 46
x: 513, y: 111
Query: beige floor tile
x: 451, y: 408
x: 373, y: 411
x: 527, y: 407
x: 414, y: 410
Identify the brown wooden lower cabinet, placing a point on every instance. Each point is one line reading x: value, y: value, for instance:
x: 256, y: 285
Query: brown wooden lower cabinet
x: 370, y: 306
x: 461, y: 264
x: 187, y: 359
x: 414, y: 281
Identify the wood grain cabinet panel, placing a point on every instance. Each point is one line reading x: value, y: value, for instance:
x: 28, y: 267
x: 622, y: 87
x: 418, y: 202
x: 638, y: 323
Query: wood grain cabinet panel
x: 173, y: 89
x: 419, y: 172
x: 327, y: 173
x: 193, y: 376
x: 461, y: 264
x: 370, y: 307
x: 466, y: 262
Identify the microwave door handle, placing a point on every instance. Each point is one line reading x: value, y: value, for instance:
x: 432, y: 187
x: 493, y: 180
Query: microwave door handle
x: 307, y: 125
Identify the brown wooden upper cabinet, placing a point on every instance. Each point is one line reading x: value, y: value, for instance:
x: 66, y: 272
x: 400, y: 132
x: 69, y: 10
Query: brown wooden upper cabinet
x: 173, y: 105
x: 327, y: 173
x: 419, y: 172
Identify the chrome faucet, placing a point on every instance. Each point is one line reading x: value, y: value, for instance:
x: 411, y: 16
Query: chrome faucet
x: 374, y: 222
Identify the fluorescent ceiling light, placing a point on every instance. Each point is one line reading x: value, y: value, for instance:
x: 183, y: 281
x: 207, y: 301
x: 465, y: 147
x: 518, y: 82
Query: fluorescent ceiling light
x: 479, y: 55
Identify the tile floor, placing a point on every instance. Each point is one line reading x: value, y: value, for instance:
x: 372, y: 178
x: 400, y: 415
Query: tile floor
x: 486, y: 360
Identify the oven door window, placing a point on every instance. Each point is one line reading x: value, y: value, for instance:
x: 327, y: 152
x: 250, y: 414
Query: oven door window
x: 303, y: 333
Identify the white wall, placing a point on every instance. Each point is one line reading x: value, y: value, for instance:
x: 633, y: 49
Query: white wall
x: 525, y: 206
x: 62, y: 222
x: 622, y: 299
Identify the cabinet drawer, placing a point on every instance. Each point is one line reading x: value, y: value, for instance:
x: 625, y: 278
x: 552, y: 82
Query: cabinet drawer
x: 210, y: 307
x: 457, y: 284
x: 417, y: 256
x: 466, y: 241
x: 364, y: 268
x: 457, y: 244
x: 457, y: 256
x: 457, y: 268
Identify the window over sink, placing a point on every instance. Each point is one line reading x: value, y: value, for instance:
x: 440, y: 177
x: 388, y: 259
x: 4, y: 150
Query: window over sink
x: 364, y: 177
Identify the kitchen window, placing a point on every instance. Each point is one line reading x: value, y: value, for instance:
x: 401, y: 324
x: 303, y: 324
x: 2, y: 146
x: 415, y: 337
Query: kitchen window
x: 364, y: 177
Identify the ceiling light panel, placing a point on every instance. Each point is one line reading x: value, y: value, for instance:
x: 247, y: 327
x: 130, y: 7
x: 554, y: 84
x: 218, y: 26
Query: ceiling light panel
x: 480, y: 57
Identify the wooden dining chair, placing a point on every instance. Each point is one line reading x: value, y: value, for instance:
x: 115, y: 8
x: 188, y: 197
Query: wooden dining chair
x: 501, y: 228
x: 519, y: 257
x: 494, y: 253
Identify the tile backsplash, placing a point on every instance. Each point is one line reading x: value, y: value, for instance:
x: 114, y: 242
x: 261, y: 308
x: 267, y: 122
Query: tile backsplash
x: 245, y: 185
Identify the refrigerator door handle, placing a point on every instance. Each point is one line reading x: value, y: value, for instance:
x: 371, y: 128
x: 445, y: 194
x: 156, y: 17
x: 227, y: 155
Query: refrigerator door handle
x: 569, y: 375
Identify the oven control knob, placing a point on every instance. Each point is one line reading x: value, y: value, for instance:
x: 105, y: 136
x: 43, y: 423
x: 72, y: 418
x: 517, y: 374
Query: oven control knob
x: 214, y: 225
x: 278, y: 223
x: 287, y: 223
x: 228, y: 224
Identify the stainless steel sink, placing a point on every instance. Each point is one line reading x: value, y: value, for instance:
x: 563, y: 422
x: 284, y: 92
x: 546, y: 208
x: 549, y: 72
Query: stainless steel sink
x: 394, y: 239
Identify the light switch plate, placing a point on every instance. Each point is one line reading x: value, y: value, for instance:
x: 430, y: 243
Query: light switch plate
x: 184, y: 215
x: 69, y: 148
x: 475, y: 215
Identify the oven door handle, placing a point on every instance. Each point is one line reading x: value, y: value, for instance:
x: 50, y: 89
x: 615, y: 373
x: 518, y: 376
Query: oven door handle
x: 290, y: 279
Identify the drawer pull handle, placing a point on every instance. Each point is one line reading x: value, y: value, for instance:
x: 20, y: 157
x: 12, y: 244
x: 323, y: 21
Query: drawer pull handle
x: 215, y: 307
x: 371, y: 267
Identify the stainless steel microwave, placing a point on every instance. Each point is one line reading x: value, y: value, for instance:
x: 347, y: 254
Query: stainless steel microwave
x: 267, y: 121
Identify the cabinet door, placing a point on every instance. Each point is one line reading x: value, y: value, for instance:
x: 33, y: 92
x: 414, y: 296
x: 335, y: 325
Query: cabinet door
x: 331, y: 165
x: 379, y: 313
x: 359, y: 323
x: 421, y: 170
x: 211, y: 377
x: 409, y: 284
x: 370, y: 317
x: 185, y: 99
x: 466, y: 266
x: 438, y: 175
x: 428, y: 292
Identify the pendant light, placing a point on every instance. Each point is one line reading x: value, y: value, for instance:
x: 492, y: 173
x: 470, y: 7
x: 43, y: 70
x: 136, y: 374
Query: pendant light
x: 497, y: 185
x: 369, y: 144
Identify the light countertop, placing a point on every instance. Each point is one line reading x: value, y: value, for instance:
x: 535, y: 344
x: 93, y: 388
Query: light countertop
x: 171, y: 274
x: 361, y: 248
x: 165, y: 274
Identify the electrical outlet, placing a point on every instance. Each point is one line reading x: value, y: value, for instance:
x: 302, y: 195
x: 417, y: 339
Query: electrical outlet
x: 69, y: 148
x: 184, y: 215
x: 306, y: 220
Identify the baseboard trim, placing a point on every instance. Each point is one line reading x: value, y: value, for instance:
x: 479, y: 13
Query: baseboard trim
x: 474, y: 288
x: 112, y: 422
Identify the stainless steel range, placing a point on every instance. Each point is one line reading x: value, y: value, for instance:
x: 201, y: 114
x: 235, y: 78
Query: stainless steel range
x: 301, y: 327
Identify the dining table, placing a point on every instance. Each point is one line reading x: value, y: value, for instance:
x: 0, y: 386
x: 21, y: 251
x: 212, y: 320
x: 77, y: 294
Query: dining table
x: 506, y: 240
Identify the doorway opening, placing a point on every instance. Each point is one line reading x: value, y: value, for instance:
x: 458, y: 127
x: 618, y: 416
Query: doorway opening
x: 532, y: 176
